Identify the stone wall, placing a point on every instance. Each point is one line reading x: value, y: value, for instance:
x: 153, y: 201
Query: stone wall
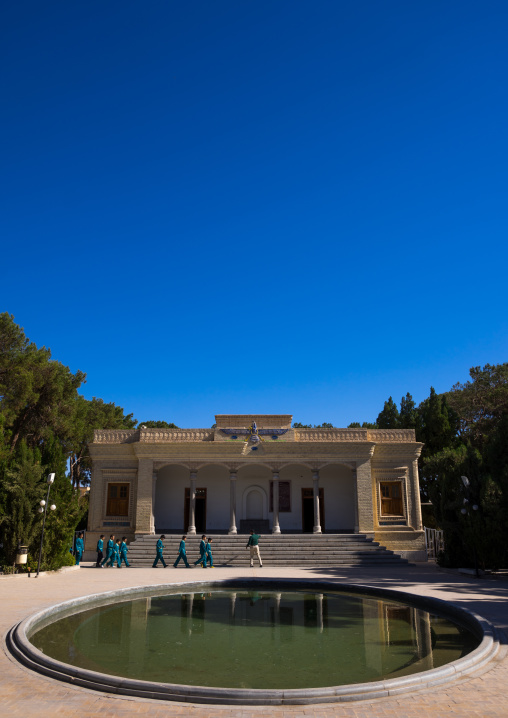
x: 406, y: 543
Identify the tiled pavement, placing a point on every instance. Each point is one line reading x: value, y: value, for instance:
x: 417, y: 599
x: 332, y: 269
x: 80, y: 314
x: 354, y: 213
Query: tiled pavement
x: 23, y: 693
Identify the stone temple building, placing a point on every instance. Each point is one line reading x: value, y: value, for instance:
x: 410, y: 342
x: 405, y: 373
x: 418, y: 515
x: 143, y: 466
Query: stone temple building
x: 257, y: 472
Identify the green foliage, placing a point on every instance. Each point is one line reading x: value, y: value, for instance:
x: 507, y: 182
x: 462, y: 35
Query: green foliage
x: 365, y: 425
x: 22, y: 488
x: 437, y: 423
x: 437, y: 428
x: 324, y: 425
x: 44, y: 423
x: 389, y: 417
x: 465, y: 433
x: 88, y: 416
x: 37, y: 393
x: 61, y: 523
x: 408, y: 415
x: 158, y: 425
x: 482, y: 402
x: 497, y: 456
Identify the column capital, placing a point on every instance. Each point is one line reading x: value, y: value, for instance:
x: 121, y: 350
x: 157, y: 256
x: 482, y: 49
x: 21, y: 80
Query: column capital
x: 275, y: 466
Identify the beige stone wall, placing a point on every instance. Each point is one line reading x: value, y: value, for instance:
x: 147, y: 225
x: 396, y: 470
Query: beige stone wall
x: 409, y: 544
x: 135, y: 456
x: 263, y: 421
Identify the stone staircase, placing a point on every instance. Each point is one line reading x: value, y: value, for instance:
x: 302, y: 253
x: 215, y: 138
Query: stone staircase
x: 303, y: 550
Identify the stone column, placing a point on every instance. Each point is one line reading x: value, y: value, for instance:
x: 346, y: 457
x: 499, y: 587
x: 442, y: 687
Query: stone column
x: 275, y: 487
x: 416, y: 514
x: 192, y: 504
x: 144, y: 497
x: 154, y: 484
x: 365, y: 495
x: 232, y: 503
x: 315, y: 489
x: 356, y: 520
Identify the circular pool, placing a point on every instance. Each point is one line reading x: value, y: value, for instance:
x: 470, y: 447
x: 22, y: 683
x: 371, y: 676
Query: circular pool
x: 254, y: 642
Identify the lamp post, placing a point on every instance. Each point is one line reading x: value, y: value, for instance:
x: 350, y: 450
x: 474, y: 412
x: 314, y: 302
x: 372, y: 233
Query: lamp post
x: 42, y: 509
x: 466, y: 512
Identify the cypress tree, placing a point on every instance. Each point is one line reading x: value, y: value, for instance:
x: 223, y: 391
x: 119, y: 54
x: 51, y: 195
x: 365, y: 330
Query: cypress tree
x: 389, y: 417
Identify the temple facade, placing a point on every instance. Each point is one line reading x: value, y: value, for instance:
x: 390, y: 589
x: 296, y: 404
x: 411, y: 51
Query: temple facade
x: 257, y: 472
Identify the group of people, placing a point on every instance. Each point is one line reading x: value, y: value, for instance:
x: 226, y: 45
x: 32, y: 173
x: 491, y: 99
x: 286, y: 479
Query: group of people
x: 205, y: 553
x: 116, y: 552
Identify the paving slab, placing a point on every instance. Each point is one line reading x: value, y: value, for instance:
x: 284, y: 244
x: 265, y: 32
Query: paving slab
x: 482, y: 694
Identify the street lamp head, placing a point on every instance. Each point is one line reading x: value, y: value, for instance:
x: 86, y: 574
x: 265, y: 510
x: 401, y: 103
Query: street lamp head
x: 52, y: 507
x: 42, y: 502
x: 465, y: 481
x: 463, y: 511
x: 475, y: 507
x: 40, y: 510
x: 51, y: 478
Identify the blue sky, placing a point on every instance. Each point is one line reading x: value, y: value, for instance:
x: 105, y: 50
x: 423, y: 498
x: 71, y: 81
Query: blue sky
x: 285, y: 206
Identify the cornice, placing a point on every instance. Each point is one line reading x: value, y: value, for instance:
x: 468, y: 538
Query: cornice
x: 198, y: 436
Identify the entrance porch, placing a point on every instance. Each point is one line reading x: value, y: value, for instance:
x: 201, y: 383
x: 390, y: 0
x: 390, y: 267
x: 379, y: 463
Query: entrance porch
x: 219, y: 499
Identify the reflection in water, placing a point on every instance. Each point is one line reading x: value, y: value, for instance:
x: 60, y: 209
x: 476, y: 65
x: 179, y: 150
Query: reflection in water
x: 256, y: 639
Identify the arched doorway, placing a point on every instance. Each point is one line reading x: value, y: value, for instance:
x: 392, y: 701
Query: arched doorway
x: 255, y: 510
x: 254, y: 505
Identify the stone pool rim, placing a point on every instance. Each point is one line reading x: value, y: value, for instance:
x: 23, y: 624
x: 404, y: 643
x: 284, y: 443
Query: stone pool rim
x: 25, y: 652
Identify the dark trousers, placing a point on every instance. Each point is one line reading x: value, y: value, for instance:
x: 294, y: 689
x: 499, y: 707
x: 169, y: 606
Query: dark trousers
x: 182, y: 556
x: 158, y: 558
x: 99, y: 559
x: 201, y: 559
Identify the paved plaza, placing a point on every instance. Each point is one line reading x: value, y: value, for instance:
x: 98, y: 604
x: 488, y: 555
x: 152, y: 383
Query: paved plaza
x: 24, y: 693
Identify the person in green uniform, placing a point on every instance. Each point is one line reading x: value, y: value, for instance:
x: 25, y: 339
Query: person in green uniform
x: 109, y: 549
x: 100, y: 548
x: 123, y: 553
x: 202, y: 552
x: 159, y: 556
x: 182, y: 554
x: 252, y: 543
x: 209, y: 551
x: 80, y: 547
x: 115, y: 555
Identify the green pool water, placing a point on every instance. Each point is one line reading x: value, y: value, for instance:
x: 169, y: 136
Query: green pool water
x: 256, y: 639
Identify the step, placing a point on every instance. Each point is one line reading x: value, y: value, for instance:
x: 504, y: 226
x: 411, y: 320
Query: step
x: 280, y: 550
